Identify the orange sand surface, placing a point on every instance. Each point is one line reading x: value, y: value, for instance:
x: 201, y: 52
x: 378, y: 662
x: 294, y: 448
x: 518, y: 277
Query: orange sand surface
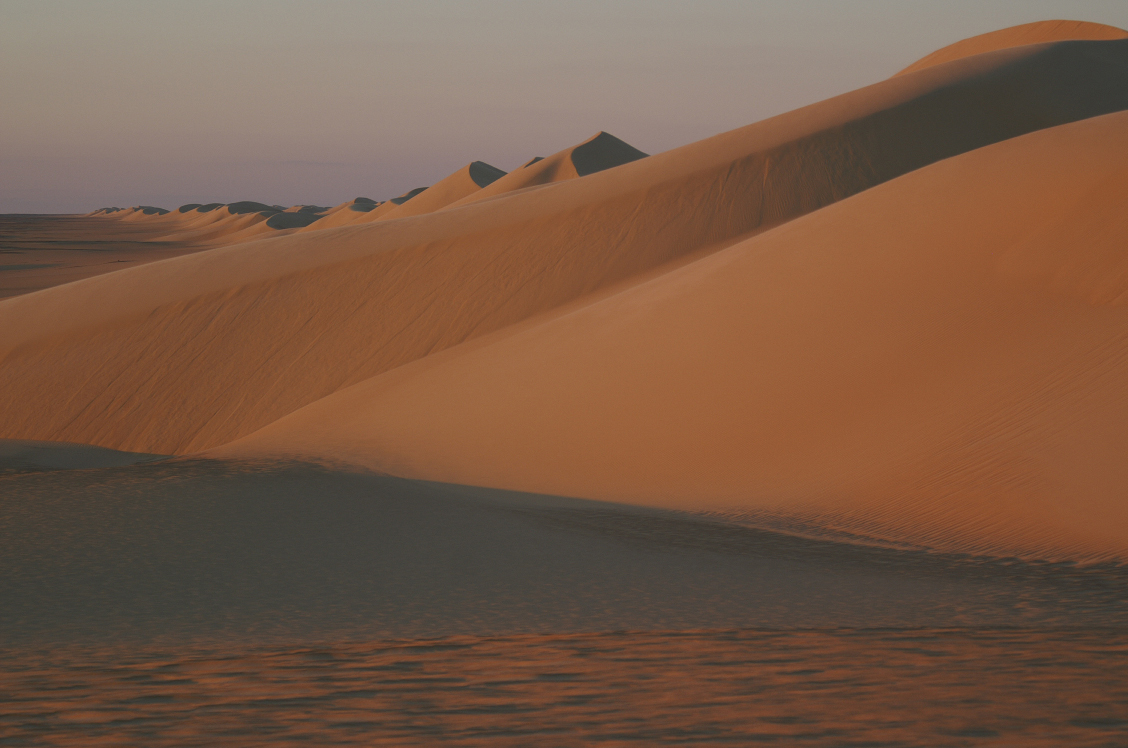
x: 923, y: 687
x: 810, y: 433
x: 895, y: 315
x: 1038, y: 32
x: 38, y: 251
x: 942, y: 374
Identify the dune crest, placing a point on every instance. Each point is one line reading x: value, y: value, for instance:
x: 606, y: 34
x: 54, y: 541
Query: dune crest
x: 600, y: 151
x: 191, y: 353
x: 466, y: 181
x: 1039, y: 32
x: 940, y: 360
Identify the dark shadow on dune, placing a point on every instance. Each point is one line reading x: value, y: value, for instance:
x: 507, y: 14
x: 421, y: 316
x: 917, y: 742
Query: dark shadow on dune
x: 291, y: 220
x: 21, y: 456
x: 483, y: 174
x: 407, y: 196
x: 603, y: 152
x: 273, y: 551
x: 151, y: 210
x: 247, y: 206
x: 187, y: 207
x: 209, y: 207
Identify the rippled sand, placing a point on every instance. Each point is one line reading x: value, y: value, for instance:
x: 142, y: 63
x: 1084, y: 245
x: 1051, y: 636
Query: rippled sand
x: 842, y: 688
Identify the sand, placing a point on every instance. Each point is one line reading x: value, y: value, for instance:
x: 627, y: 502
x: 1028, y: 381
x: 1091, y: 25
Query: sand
x: 923, y: 687
x: 913, y: 373
x: 1039, y: 32
x: 892, y: 317
x: 466, y: 181
x: 600, y: 151
x: 39, y: 251
x: 195, y: 352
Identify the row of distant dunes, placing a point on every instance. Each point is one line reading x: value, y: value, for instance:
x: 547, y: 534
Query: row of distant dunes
x: 239, y: 221
x: 899, y: 313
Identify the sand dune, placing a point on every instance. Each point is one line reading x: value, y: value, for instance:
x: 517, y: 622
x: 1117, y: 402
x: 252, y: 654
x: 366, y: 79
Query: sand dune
x: 287, y: 220
x: 941, y: 359
x: 347, y: 213
x: 197, y: 351
x: 466, y: 181
x: 1039, y: 32
x: 600, y: 151
x: 217, y: 226
x: 366, y: 214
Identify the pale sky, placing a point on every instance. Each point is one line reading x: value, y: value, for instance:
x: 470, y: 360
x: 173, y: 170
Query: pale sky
x: 128, y: 102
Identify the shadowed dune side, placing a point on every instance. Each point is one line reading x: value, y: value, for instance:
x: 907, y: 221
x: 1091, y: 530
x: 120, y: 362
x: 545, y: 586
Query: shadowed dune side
x: 466, y: 181
x: 31, y: 456
x: 209, y: 549
x: 194, y: 352
x: 942, y: 359
x: 295, y: 220
x: 248, y: 206
x: 347, y: 213
x: 599, y: 152
x: 1038, y: 32
x: 375, y: 213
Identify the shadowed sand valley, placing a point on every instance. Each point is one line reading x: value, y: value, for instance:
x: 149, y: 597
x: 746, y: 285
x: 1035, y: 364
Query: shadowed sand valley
x: 811, y: 406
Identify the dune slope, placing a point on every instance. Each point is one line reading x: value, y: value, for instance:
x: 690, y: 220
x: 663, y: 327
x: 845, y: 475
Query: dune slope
x: 942, y: 359
x: 466, y: 181
x: 1038, y: 32
x: 600, y: 151
x: 190, y: 353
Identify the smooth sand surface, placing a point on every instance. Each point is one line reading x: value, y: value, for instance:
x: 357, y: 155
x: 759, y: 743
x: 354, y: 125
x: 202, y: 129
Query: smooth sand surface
x: 809, y: 433
x: 466, y: 181
x: 893, y: 315
x: 259, y: 553
x: 194, y: 352
x: 1038, y: 32
x: 940, y: 359
x: 40, y: 251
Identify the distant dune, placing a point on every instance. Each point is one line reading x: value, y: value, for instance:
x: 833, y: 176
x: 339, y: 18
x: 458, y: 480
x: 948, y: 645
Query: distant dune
x: 895, y: 313
x: 600, y: 151
x: 466, y: 181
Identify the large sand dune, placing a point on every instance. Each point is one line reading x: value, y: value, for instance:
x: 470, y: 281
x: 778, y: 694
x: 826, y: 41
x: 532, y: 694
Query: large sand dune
x: 940, y: 359
x: 1039, y: 32
x: 194, y: 352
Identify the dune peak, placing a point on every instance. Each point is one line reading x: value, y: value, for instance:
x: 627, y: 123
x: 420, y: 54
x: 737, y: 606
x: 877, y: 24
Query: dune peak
x: 1039, y: 32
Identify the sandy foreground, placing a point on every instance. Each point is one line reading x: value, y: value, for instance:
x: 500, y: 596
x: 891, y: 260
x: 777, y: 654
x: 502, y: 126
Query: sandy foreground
x: 862, y: 365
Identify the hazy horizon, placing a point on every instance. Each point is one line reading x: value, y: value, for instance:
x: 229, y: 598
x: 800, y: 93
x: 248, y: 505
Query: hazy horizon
x: 124, y: 103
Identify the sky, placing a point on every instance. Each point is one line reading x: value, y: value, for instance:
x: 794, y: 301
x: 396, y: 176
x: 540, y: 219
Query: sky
x: 129, y: 102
